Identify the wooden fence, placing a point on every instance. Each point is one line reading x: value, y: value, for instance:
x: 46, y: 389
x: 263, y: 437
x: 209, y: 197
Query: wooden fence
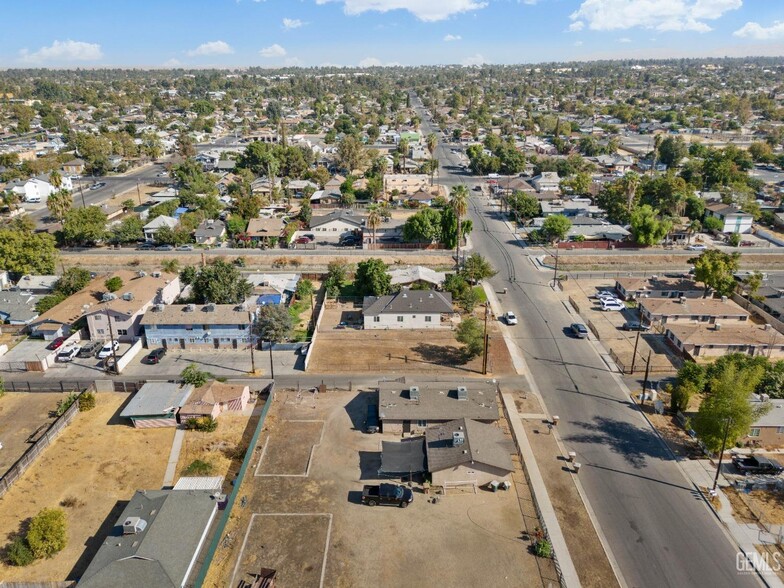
x: 29, y: 456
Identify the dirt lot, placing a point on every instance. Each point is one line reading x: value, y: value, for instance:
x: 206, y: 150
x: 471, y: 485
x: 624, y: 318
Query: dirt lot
x: 21, y: 415
x: 618, y: 261
x: 98, y: 460
x: 328, y: 529
x: 288, y: 451
x: 398, y: 351
x: 223, y: 449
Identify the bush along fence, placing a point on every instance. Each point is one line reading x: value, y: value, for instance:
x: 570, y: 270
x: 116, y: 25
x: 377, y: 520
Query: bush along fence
x: 224, y: 520
x: 28, y: 457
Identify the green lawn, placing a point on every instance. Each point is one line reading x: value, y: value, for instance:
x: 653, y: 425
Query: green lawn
x: 480, y: 293
x: 295, y: 310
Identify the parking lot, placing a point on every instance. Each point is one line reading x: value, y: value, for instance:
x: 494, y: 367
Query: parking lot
x: 314, y: 530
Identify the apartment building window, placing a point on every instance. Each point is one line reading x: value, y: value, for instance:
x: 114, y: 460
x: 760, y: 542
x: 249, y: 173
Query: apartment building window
x: 122, y: 332
x: 755, y: 432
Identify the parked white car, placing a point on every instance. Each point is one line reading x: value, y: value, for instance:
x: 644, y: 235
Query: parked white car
x: 696, y: 247
x: 510, y: 318
x: 67, y: 354
x: 612, y: 305
x: 108, y: 349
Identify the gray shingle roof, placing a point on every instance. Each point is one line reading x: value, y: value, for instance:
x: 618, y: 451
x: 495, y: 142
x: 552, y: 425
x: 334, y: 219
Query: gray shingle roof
x: 409, y: 302
x: 483, y: 443
x: 346, y: 216
x: 207, y: 314
x: 160, y: 555
x: 437, y: 401
x: 156, y: 398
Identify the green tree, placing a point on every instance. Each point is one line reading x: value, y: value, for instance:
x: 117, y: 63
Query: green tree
x: 578, y: 184
x: 716, y: 270
x: 220, y: 282
x: 19, y: 553
x: 47, y: 534
x: 712, y: 223
x: 727, y: 407
x: 274, y: 323
x: 130, y: 230
x: 471, y: 334
x: 555, y: 227
x: 194, y: 376
x: 113, y: 284
x: 459, y: 204
x: 423, y: 227
x: 477, y: 268
x: 373, y: 220
x: 371, y: 278
x: 337, y: 273
x: 304, y: 289
x: 672, y: 150
x: 646, y: 226
x: 351, y: 155
x: 25, y: 252
x: 84, y: 226
x: 305, y: 212
x: 72, y: 280
x: 523, y: 205
x: 59, y: 203
x: 695, y: 207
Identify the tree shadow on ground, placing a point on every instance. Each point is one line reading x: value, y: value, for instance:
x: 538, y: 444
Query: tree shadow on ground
x: 446, y: 355
x: 635, y: 444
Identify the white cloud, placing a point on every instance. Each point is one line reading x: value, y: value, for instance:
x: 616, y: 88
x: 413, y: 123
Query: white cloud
x: 529, y: 2
x: 449, y: 38
x: 473, y: 60
x: 172, y: 63
x: 273, y: 51
x: 292, y: 23
x: 292, y: 62
x: 370, y: 62
x: 60, y: 51
x: 662, y: 15
x: 576, y: 26
x: 624, y: 40
x: 755, y: 30
x: 211, y: 48
x: 578, y: 43
x: 428, y: 11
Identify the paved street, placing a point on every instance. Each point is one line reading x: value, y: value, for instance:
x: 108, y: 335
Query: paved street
x: 658, y: 528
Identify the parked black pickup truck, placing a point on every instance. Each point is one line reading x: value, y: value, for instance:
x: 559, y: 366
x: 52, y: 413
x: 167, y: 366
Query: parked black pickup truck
x: 756, y: 464
x: 387, y: 495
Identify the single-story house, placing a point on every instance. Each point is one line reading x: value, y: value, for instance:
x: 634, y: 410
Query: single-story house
x: 691, y: 310
x: 407, y: 309
x: 767, y: 430
x: 18, y: 307
x: 735, y: 220
x: 710, y: 341
x: 75, y: 167
x: 336, y: 223
x: 191, y: 326
x: 571, y: 208
x: 215, y: 398
x: 546, y: 182
x: 421, y: 197
x: 156, y: 404
x: 264, y: 230
x: 466, y: 452
x: 325, y: 199
x: 210, y: 232
x: 157, y: 224
x: 417, y: 275
x: 658, y: 287
x: 37, y: 188
x: 284, y: 285
x: 37, y: 284
x: 155, y: 542
x: 411, y: 406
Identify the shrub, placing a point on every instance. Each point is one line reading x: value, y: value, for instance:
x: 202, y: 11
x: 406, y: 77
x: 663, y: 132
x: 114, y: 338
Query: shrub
x: 19, y: 552
x: 65, y: 403
x: 194, y: 376
x: 71, y: 502
x: 86, y: 402
x: 204, y: 424
x: 113, y: 284
x: 198, y: 467
x: 47, y: 534
x: 543, y: 548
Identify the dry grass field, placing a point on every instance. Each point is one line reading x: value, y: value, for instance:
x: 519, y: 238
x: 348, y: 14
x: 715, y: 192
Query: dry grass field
x: 21, y: 415
x: 96, y: 465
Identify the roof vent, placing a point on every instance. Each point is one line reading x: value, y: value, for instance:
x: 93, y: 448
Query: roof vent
x: 134, y: 525
x: 156, y: 274
x: 462, y: 393
x: 458, y: 438
x: 413, y: 393
x: 724, y: 299
x: 158, y: 308
x: 190, y: 308
x: 717, y: 327
x: 107, y: 296
x: 210, y: 308
x: 405, y: 295
x: 766, y: 327
x: 128, y: 296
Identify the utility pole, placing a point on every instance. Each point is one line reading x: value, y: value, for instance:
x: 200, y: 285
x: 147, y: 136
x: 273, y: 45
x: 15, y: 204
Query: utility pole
x: 138, y: 192
x: 555, y: 272
x: 111, y: 341
x: 81, y: 192
x: 486, y: 339
x: 634, y: 355
x: 272, y: 366
x: 645, y: 383
x: 721, y: 455
x: 250, y: 336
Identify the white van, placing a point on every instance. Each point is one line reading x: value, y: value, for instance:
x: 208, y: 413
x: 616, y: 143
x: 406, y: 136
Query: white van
x: 33, y: 199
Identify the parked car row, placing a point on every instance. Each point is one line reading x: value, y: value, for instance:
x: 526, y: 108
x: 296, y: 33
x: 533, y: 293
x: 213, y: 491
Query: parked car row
x: 99, y: 349
x: 608, y: 301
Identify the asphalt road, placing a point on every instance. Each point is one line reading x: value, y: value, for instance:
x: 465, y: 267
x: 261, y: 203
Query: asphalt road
x: 659, y: 530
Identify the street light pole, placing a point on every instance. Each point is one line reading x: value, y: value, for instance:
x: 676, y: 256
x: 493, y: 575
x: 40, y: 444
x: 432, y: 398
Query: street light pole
x: 721, y: 455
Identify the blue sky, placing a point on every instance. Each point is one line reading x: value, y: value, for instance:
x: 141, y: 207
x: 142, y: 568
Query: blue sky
x: 270, y: 33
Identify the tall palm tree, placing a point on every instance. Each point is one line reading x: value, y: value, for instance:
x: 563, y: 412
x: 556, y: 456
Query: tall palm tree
x: 631, y: 180
x: 695, y: 226
x: 403, y: 150
x: 459, y: 204
x: 373, y: 220
x: 432, y: 142
x: 56, y: 179
x: 59, y: 203
x: 657, y: 141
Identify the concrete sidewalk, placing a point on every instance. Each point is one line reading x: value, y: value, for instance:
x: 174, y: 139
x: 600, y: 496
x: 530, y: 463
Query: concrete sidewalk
x: 747, y: 536
x: 174, y: 456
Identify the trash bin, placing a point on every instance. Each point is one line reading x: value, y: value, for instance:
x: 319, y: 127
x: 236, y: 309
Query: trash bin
x: 493, y: 486
x: 577, y: 467
x: 572, y: 455
x: 505, y: 485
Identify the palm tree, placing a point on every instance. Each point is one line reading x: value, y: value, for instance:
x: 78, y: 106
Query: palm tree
x: 431, y: 142
x: 694, y: 227
x: 402, y: 147
x: 56, y: 179
x: 631, y: 180
x: 459, y: 204
x: 657, y: 141
x: 433, y: 168
x: 59, y: 203
x: 373, y: 220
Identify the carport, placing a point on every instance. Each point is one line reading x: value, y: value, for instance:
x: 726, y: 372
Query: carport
x: 402, y: 458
